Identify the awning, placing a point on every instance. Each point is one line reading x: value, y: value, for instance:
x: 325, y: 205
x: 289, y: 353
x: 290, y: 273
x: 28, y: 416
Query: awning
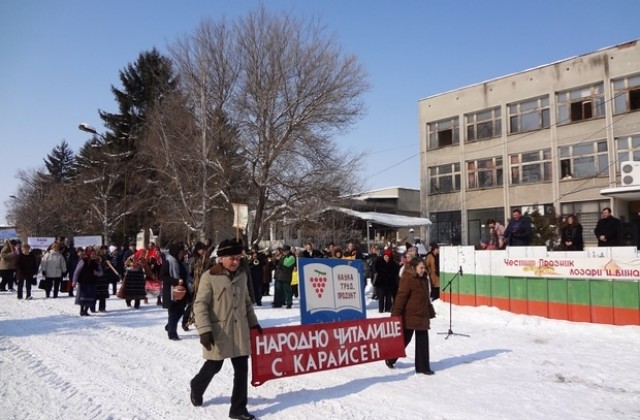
x: 387, y: 219
x: 629, y: 193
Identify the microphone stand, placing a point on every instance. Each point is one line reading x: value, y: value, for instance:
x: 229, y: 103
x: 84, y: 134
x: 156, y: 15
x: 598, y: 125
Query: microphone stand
x: 448, y: 286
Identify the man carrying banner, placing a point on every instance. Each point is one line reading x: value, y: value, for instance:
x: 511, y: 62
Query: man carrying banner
x: 224, y: 314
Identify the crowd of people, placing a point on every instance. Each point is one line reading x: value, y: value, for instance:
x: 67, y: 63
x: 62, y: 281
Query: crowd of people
x: 186, y: 280
x: 519, y: 232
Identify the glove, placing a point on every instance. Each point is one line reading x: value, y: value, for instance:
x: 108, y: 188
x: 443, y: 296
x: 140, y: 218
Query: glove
x: 258, y: 328
x: 44, y: 274
x: 206, y: 340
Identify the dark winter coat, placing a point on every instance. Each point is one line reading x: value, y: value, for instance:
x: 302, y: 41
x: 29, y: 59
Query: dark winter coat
x: 86, y: 276
x: 518, y: 232
x: 134, y: 284
x: 572, y: 233
x: 610, y: 228
x: 256, y: 266
x: 386, y: 274
x: 223, y: 307
x: 412, y: 301
x: 284, y: 268
x: 26, y: 266
x: 171, y: 277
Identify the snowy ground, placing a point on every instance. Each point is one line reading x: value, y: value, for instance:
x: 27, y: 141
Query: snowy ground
x: 55, y: 364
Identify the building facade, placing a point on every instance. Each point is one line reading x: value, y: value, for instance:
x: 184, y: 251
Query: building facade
x: 552, y: 138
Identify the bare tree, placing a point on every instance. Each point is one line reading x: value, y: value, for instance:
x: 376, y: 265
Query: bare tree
x: 31, y: 208
x: 286, y: 89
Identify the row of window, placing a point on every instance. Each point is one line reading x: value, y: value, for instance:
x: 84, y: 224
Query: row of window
x: 534, y: 114
x: 577, y: 161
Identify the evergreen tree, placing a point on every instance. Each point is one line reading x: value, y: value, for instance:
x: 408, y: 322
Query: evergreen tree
x: 61, y: 163
x: 144, y: 83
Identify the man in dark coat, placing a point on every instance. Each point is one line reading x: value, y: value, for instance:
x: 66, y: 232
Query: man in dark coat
x: 608, y: 229
x: 256, y: 268
x: 518, y: 231
x: 172, y: 274
x: 385, y: 280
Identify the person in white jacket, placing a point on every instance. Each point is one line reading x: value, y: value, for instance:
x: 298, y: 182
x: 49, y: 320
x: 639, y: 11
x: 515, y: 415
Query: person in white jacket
x: 54, y: 268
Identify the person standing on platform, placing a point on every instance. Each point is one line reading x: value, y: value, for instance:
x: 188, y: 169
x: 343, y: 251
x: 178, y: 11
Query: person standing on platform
x: 608, y: 229
x: 571, y: 235
x: 518, y: 231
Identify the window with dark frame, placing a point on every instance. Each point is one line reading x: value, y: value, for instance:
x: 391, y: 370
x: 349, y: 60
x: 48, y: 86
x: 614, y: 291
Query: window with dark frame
x: 531, y: 167
x: 626, y: 94
x: 444, y: 178
x: 584, y: 160
x: 529, y: 115
x: 443, y: 133
x: 580, y: 104
x: 483, y: 124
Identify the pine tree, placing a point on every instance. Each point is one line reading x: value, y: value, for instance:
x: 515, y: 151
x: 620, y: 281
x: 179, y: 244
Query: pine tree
x: 61, y: 163
x: 144, y: 83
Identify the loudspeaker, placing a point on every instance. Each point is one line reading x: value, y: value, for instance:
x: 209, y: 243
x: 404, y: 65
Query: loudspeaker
x: 630, y: 173
x: 630, y: 234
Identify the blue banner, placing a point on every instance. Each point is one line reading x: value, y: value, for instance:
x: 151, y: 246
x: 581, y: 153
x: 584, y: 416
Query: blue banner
x: 331, y: 290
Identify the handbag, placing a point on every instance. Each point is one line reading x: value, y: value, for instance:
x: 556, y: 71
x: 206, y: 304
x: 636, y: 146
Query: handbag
x: 120, y: 293
x: 43, y: 284
x: 64, y: 286
x: 34, y: 281
x: 153, y: 287
x: 432, y: 311
x: 178, y: 292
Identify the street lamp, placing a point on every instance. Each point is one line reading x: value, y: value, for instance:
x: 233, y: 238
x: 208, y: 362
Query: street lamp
x: 89, y: 129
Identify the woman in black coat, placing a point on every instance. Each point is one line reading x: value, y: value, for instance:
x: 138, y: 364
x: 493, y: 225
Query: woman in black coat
x: 86, y: 277
x: 26, y: 269
x: 385, y: 281
x: 571, y: 235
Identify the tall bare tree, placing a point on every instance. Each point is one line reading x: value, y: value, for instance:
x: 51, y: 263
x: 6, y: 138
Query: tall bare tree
x: 287, y: 88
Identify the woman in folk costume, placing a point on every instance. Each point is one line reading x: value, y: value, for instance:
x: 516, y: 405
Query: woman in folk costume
x: 134, y: 280
x: 86, y: 277
x: 102, y: 283
x: 152, y: 257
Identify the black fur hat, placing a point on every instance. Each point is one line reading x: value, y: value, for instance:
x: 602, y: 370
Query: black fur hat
x: 230, y: 247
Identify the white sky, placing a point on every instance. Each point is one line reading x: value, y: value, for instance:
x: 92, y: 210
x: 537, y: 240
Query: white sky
x: 55, y: 364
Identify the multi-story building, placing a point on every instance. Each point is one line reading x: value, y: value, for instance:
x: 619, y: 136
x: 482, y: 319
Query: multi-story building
x: 551, y: 138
